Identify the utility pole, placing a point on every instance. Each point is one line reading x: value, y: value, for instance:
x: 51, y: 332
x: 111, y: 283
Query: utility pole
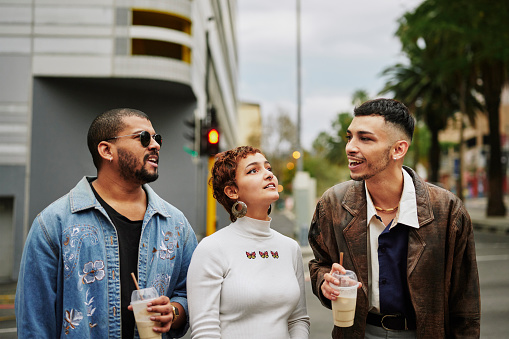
x: 304, y: 187
x: 299, y: 94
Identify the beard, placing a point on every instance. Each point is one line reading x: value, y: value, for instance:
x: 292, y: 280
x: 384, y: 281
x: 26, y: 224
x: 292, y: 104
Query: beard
x: 375, y: 168
x: 128, y: 163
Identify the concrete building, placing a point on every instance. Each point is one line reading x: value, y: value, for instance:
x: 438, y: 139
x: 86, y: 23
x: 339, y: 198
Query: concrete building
x: 63, y: 62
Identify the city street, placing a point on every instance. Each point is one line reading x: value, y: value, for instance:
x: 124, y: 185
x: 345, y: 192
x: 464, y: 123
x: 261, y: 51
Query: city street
x: 493, y: 262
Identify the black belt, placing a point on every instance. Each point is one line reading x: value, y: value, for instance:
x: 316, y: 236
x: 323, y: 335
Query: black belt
x: 390, y: 322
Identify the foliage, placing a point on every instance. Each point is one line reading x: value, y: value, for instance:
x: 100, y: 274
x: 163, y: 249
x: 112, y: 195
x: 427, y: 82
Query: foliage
x: 327, y: 161
x: 446, y: 145
x: 457, y: 49
x: 332, y: 146
x: 359, y: 96
x: 326, y: 173
x: 419, y: 87
x: 418, y: 151
x: 279, y: 134
x: 278, y: 143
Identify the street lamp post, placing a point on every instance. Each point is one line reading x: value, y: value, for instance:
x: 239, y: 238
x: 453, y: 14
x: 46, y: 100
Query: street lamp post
x: 299, y: 92
x: 304, y: 187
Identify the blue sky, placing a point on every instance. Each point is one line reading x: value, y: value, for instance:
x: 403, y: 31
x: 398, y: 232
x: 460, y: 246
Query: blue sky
x: 345, y: 45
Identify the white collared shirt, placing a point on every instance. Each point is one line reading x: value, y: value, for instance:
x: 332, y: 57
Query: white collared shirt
x: 407, y: 215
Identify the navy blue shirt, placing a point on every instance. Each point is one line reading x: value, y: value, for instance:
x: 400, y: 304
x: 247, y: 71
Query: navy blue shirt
x: 392, y: 261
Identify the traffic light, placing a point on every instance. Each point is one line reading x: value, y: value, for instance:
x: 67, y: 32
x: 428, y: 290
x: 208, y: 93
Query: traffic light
x: 210, y: 134
x: 209, y: 140
x: 213, y: 141
x: 191, y: 136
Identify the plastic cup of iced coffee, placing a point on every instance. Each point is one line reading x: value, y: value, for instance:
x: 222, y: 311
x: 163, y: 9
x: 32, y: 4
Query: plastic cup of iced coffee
x: 139, y: 300
x: 343, y: 308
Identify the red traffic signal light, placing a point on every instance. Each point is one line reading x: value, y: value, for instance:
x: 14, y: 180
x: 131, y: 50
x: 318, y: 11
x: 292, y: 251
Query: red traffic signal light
x: 209, y: 136
x: 209, y: 141
x: 213, y: 136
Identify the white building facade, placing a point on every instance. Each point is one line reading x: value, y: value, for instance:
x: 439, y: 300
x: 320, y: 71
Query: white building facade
x: 63, y: 62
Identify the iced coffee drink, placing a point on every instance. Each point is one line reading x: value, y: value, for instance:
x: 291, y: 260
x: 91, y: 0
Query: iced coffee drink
x: 343, y: 308
x: 139, y: 300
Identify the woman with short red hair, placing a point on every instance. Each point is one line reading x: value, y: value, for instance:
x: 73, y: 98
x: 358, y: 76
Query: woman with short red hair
x: 246, y: 280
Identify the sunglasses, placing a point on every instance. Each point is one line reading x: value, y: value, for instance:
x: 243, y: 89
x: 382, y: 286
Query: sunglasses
x: 144, y: 138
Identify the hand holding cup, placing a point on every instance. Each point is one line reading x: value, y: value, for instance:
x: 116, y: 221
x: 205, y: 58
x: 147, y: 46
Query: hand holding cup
x: 139, y: 302
x: 343, y: 307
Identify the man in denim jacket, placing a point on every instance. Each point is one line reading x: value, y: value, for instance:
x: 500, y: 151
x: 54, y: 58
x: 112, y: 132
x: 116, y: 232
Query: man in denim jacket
x: 75, y: 275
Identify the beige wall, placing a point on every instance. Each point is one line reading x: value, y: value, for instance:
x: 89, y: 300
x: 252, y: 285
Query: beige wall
x: 250, y: 124
x: 481, y: 128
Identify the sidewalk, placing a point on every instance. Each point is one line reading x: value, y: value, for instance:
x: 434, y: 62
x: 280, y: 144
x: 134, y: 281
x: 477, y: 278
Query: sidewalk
x: 7, y: 292
x: 476, y: 207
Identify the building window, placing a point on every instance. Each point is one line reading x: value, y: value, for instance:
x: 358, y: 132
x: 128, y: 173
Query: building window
x: 160, y: 19
x: 472, y: 142
x: 160, y: 48
x: 156, y: 47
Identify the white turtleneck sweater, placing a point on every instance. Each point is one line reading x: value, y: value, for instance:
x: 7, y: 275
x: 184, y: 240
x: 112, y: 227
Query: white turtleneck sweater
x: 247, y: 281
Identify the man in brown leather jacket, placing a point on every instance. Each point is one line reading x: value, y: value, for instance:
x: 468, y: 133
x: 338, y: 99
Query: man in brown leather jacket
x: 388, y: 215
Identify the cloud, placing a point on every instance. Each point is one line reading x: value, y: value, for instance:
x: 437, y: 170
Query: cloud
x: 345, y: 45
x: 319, y: 112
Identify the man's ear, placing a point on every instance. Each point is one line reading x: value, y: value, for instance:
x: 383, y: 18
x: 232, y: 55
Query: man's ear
x: 231, y: 192
x: 105, y: 151
x: 400, y: 149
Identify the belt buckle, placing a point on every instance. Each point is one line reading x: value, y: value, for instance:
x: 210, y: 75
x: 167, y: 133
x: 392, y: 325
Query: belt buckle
x: 393, y: 316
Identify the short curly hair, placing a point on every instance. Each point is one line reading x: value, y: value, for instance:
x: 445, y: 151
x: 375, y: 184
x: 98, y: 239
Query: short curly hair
x: 224, y: 172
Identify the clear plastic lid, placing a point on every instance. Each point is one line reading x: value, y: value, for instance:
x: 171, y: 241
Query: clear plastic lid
x: 349, y: 279
x: 144, y: 294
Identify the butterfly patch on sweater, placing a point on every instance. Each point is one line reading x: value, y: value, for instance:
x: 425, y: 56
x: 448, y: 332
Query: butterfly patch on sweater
x: 251, y: 255
x: 263, y: 254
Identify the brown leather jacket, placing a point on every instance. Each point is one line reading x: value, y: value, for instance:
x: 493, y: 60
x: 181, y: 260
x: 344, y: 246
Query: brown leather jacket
x: 441, y: 266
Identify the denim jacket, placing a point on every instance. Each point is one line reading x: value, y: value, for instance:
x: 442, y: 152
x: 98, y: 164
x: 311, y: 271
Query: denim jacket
x: 69, y: 280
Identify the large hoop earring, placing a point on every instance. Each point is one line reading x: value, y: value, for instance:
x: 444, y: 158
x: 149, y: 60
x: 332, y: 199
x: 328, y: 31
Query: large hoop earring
x: 243, y: 209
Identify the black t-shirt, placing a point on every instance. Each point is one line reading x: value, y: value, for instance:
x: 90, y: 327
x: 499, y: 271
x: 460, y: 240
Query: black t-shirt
x: 129, y: 233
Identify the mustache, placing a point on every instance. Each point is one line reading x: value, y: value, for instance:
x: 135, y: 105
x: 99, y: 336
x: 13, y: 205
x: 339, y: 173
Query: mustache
x: 156, y: 153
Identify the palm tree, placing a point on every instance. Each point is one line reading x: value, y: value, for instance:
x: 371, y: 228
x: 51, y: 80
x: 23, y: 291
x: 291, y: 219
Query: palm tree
x: 359, y: 96
x: 470, y: 40
x: 428, y: 98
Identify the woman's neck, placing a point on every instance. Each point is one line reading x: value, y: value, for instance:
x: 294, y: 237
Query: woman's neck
x: 258, y: 213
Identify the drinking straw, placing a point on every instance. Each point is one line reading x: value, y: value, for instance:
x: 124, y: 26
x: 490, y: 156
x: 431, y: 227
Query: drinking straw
x: 341, y: 258
x: 135, y: 282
